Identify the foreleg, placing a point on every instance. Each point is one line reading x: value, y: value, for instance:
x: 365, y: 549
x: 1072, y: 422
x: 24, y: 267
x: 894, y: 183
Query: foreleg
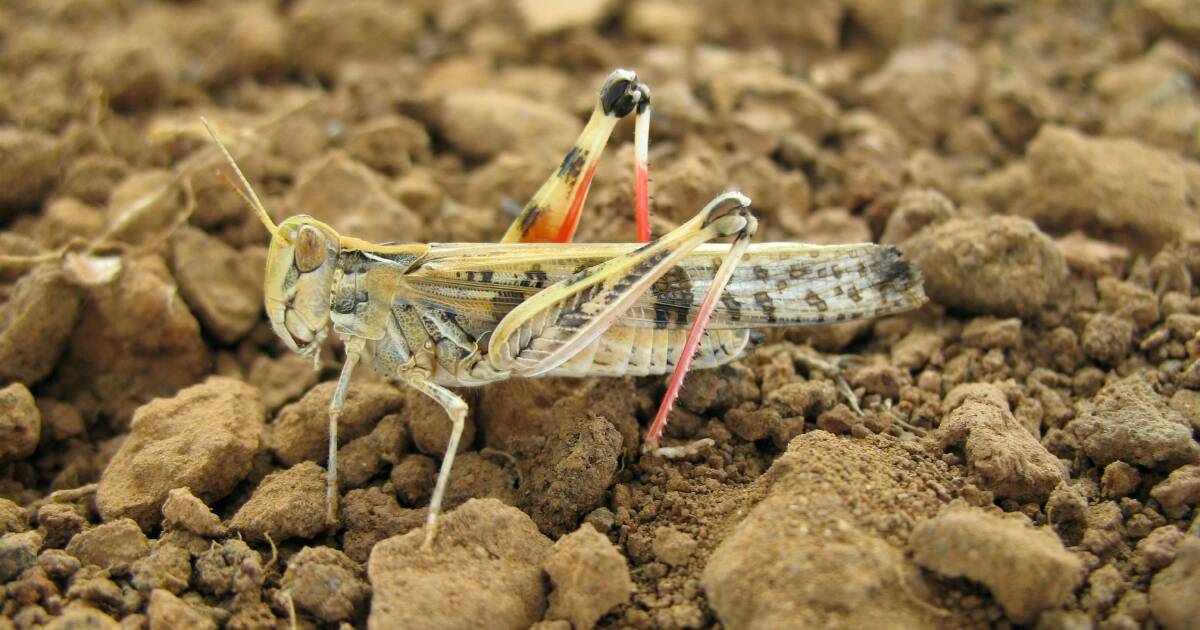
x: 354, y: 346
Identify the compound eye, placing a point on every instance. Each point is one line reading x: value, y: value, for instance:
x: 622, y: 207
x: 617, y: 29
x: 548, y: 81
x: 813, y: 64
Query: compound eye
x: 310, y: 249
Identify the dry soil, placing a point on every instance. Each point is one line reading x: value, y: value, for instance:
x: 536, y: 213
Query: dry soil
x: 1026, y: 450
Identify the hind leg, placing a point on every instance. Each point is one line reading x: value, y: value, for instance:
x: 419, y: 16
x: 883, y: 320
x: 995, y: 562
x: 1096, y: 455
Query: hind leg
x: 552, y: 215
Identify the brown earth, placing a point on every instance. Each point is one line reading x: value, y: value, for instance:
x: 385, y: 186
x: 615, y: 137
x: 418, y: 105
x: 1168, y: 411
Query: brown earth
x: 1026, y: 451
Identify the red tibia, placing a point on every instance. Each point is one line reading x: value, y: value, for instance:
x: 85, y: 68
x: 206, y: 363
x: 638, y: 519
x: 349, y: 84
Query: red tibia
x: 566, y: 233
x: 681, y: 368
x: 641, y: 190
x: 642, y: 198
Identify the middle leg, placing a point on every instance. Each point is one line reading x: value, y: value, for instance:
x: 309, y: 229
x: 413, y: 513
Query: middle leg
x: 456, y: 409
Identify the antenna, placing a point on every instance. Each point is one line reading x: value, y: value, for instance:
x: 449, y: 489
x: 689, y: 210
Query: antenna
x: 246, y: 192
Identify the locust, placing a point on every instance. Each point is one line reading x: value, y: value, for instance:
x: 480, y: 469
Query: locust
x: 439, y: 315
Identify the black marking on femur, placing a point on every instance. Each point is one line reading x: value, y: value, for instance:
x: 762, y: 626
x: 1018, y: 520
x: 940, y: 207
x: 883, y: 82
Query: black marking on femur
x: 529, y: 218
x: 568, y: 161
x: 764, y: 302
x: 572, y: 166
x: 815, y: 301
x: 574, y: 317
x: 487, y: 276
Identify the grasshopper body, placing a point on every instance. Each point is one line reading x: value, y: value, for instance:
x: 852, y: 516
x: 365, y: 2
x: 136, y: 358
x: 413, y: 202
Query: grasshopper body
x: 464, y: 314
x: 435, y: 306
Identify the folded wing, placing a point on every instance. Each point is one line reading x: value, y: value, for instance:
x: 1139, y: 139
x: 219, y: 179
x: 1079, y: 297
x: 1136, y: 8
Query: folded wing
x: 777, y: 284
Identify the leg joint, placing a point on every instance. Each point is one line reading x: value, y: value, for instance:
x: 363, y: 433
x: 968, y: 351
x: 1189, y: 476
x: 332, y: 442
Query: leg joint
x: 622, y: 93
x: 729, y: 213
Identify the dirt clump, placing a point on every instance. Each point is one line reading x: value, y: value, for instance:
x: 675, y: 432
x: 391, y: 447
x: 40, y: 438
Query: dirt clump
x: 1000, y: 454
x: 326, y: 583
x: 18, y: 551
x: 430, y: 427
x: 1179, y: 491
x: 168, y: 611
x: 370, y: 515
x: 352, y: 199
x: 167, y: 567
x: 286, y: 504
x: 983, y: 547
x: 227, y: 309
x: 20, y: 423
x: 1072, y: 187
x: 1130, y: 422
x: 517, y: 415
x: 82, y: 617
x: 12, y: 518
x: 1107, y: 339
x: 569, y: 476
x: 816, y: 487
x: 111, y: 366
x: 29, y: 165
x: 299, y: 431
x: 1120, y: 479
x: 458, y: 587
x: 228, y: 568
x: 1170, y: 599
x: 325, y: 37
x: 282, y: 380
x: 481, y: 124
x: 590, y: 577
x: 182, y: 510
x: 927, y: 89
x: 673, y: 547
x: 114, y: 546
x: 203, y: 439
x: 1000, y: 266
x: 36, y: 323
x: 479, y: 477
x: 364, y: 457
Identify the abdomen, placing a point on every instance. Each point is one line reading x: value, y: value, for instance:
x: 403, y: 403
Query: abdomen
x: 629, y: 351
